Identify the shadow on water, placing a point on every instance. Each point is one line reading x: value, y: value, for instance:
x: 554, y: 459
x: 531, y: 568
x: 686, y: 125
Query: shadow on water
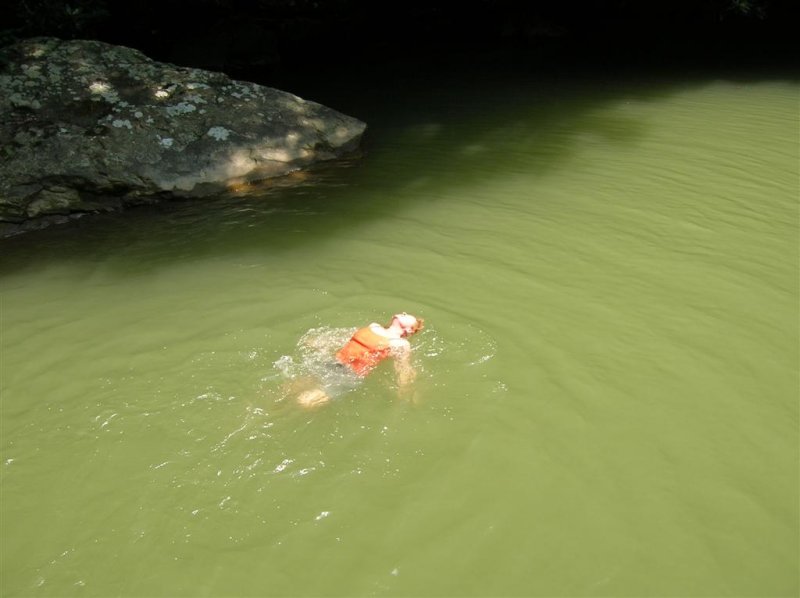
x: 428, y: 133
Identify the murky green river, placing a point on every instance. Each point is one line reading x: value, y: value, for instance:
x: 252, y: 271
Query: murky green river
x: 607, y: 391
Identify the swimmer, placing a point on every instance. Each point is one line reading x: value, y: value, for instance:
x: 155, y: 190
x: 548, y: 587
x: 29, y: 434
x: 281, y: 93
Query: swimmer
x: 368, y: 347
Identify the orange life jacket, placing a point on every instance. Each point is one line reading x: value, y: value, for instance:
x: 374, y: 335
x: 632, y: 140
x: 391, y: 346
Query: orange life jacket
x: 365, y: 350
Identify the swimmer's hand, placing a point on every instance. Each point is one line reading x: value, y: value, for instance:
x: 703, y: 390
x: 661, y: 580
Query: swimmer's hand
x: 406, y: 377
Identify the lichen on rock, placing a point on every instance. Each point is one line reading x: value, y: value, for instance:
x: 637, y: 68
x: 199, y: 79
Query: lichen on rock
x: 90, y: 126
x: 218, y: 133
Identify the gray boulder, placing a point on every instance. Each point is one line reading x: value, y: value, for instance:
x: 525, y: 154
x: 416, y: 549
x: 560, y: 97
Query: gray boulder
x: 87, y: 126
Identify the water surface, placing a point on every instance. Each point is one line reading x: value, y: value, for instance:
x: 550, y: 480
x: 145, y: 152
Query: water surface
x: 607, y: 393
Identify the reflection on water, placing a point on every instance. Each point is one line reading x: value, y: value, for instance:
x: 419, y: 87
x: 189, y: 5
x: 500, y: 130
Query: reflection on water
x: 607, y: 392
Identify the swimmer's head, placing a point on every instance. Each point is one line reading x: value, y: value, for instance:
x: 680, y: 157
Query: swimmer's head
x: 408, y: 323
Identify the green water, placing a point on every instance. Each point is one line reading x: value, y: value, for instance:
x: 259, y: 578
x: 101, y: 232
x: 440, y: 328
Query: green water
x: 607, y: 398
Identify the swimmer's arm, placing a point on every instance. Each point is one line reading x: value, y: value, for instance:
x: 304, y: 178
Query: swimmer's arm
x: 401, y: 351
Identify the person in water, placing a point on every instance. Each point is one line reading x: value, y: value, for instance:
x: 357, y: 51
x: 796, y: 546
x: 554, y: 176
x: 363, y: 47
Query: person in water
x: 367, y: 348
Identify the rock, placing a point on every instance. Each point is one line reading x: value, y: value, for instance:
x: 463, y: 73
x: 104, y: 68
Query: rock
x: 88, y: 126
